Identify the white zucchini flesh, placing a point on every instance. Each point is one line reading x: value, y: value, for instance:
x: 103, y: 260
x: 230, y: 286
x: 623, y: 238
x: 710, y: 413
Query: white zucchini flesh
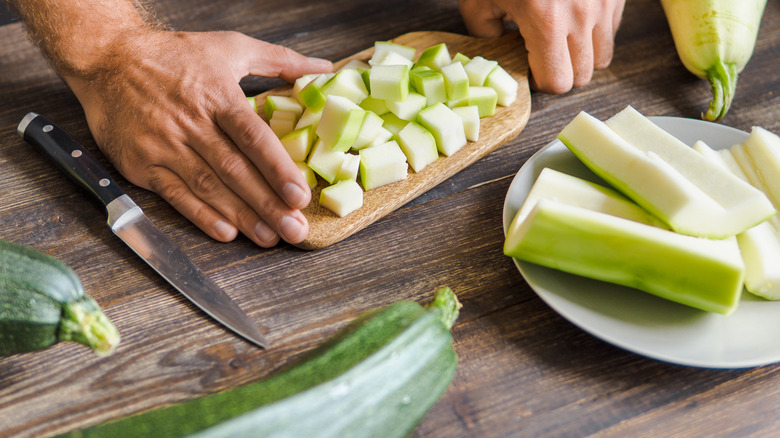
x: 665, y: 176
x: 759, y: 245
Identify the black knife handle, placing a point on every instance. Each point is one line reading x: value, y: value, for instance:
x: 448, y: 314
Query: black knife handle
x: 70, y: 156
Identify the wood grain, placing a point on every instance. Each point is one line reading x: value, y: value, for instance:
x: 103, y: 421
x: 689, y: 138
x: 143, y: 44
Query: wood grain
x: 326, y: 228
x: 523, y: 370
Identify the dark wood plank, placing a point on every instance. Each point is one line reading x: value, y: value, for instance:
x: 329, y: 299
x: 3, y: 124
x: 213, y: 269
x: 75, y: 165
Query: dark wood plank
x: 524, y: 371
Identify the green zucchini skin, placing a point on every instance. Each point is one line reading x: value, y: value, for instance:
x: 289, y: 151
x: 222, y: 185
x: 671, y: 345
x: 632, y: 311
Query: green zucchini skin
x: 42, y: 302
x: 379, y: 376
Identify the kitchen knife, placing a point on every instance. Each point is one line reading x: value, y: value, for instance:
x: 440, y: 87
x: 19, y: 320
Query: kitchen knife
x: 129, y: 223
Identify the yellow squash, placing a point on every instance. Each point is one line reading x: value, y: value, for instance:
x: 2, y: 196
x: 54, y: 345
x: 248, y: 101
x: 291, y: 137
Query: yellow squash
x: 714, y: 40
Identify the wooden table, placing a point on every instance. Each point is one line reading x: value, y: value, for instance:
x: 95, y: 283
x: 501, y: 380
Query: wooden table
x: 523, y: 371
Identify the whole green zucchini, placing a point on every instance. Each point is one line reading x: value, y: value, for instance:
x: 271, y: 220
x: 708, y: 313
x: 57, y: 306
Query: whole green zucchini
x: 42, y: 302
x: 377, y: 377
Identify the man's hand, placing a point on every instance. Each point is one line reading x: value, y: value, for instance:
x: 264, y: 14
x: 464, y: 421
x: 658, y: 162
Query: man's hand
x: 566, y: 39
x: 166, y: 109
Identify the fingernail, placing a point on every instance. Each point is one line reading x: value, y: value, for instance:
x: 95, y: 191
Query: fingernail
x: 264, y: 232
x: 294, y: 195
x: 225, y: 230
x: 291, y: 229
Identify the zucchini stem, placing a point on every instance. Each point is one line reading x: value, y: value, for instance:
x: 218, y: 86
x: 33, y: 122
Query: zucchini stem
x: 84, y: 322
x: 447, y: 303
x: 723, y: 79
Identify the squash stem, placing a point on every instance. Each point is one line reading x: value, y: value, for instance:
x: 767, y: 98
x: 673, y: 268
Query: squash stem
x: 84, y: 322
x: 723, y: 79
x: 447, y: 303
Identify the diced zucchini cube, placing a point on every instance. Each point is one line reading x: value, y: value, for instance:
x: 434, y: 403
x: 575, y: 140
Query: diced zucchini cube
x: 382, y: 137
x: 356, y: 64
x: 349, y: 168
x: 390, y: 58
x: 484, y: 98
x: 311, y: 95
x: 446, y: 127
x: 381, y: 48
x: 458, y: 102
x: 456, y: 81
x: 325, y: 162
x: 309, y: 118
x: 407, y: 109
x: 389, y: 82
x: 381, y: 165
x: 478, y: 70
x: 283, y: 122
x: 300, y: 84
x: 298, y: 143
x: 461, y: 58
x: 418, y: 145
x: 505, y: 85
x: 281, y: 103
x: 470, y: 117
x: 429, y: 83
x: 342, y: 198
x: 376, y: 106
x: 252, y: 102
x: 366, y: 75
x: 308, y: 174
x: 434, y: 57
x: 393, y: 123
x: 369, y: 131
x: 346, y: 83
x: 340, y: 123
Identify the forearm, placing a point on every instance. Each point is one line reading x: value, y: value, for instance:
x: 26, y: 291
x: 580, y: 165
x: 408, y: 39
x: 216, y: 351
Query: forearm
x: 77, y: 36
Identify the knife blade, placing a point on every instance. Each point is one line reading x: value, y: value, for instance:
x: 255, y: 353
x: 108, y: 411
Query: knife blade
x: 128, y: 221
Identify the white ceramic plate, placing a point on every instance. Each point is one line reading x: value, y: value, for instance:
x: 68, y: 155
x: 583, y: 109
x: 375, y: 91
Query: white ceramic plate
x: 638, y: 321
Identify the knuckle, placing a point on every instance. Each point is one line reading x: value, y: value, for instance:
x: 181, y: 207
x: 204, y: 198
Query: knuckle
x: 175, y: 194
x: 280, y: 61
x: 204, y: 182
x: 245, y: 133
x: 249, y: 134
x: 234, y: 167
x: 280, y: 55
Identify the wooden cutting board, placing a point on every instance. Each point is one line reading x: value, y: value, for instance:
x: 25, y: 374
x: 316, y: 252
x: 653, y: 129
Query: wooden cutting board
x: 325, y: 228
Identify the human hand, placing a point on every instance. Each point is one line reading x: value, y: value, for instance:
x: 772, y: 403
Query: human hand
x: 566, y: 39
x: 167, y: 110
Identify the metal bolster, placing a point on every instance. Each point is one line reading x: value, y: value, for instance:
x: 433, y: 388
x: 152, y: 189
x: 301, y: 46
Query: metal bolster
x: 121, y: 211
x: 25, y: 121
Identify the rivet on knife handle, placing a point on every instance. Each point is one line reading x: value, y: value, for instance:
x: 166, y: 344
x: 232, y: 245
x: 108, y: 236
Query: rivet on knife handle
x: 76, y: 161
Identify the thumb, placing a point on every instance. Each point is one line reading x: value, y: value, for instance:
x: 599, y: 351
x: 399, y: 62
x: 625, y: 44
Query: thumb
x: 272, y: 60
